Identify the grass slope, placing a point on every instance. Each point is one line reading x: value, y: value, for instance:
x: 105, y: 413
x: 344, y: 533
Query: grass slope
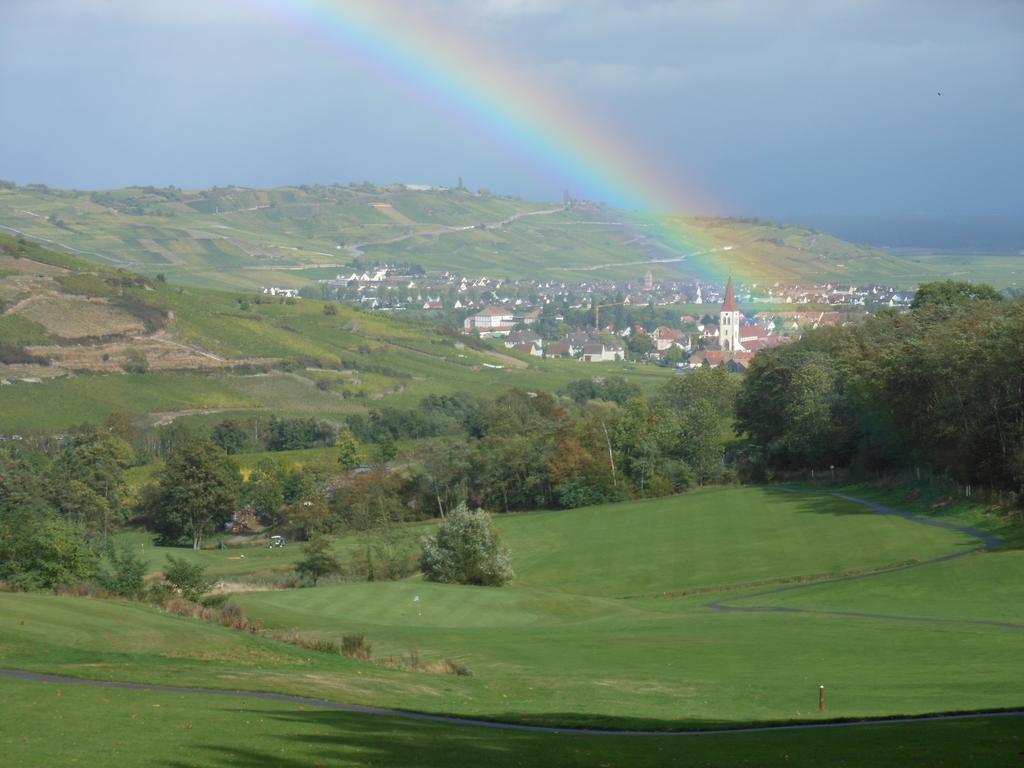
x: 245, y: 238
x: 54, y: 724
x: 367, y: 359
x: 564, y: 645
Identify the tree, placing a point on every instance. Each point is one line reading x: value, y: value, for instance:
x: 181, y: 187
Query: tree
x: 701, y: 444
x: 122, y: 425
x: 715, y: 386
x: 230, y: 436
x: 196, y: 492
x: 386, y: 448
x: 318, y: 560
x: 38, y: 548
x: 445, y: 467
x: 86, y: 508
x: 466, y: 550
x: 639, y: 345
x: 89, y: 482
x: 953, y: 293
x: 265, y: 489
x: 348, y: 451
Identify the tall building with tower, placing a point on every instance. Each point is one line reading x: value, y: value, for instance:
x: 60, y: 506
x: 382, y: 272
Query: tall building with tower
x: 729, y: 322
x: 648, y: 281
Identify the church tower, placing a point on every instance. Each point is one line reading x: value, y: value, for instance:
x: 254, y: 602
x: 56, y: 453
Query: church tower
x: 729, y: 322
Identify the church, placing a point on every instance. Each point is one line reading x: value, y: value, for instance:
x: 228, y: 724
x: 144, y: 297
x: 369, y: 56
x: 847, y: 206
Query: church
x: 729, y: 322
x: 737, y: 344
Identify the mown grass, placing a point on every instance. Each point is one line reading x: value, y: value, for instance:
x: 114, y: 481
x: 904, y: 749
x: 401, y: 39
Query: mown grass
x: 55, y: 724
x: 586, y: 633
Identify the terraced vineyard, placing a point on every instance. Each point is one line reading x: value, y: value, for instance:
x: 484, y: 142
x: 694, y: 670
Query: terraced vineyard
x: 210, y: 352
x: 236, y: 237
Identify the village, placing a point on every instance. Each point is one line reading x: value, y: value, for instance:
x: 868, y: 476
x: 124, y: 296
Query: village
x: 683, y: 323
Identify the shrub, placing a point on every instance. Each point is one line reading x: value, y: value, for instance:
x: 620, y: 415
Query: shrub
x: 356, y: 647
x: 127, y: 575
x: 320, y: 645
x: 135, y: 362
x: 188, y: 579
x: 83, y: 589
x: 466, y: 550
x: 323, y: 645
x: 232, y: 615
x: 180, y: 606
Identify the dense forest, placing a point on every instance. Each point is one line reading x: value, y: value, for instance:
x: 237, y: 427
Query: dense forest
x: 940, y: 387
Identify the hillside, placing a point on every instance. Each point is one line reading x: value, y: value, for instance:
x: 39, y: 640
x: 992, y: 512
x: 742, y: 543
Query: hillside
x: 233, y: 237
x: 80, y: 341
x: 659, y: 613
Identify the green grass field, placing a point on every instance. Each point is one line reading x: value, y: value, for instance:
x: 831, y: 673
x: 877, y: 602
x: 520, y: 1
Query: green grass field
x: 610, y: 622
x: 596, y: 628
x: 54, y: 724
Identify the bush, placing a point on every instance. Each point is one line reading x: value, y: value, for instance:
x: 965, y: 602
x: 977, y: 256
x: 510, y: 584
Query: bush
x: 180, y: 606
x: 466, y: 550
x: 135, y: 362
x: 453, y: 667
x: 578, y: 492
x: 127, y: 575
x: 187, y: 579
x: 42, y: 553
x: 318, y: 644
x: 356, y: 647
x: 232, y: 615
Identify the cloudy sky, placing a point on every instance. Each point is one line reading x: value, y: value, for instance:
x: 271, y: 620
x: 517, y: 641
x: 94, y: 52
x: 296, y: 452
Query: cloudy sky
x: 781, y: 108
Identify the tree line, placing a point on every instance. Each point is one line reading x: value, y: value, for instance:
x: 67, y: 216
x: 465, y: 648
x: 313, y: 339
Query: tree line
x: 941, y: 386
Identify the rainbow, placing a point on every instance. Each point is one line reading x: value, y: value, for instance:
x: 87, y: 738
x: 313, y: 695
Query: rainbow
x: 543, y: 127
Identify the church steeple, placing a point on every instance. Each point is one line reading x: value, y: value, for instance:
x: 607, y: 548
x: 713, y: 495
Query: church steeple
x: 729, y: 321
x: 730, y: 305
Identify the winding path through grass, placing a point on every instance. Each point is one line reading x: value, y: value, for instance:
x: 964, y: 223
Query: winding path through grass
x: 988, y: 543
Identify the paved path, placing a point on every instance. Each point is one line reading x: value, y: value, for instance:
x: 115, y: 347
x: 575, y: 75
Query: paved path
x: 987, y: 541
x: 464, y: 721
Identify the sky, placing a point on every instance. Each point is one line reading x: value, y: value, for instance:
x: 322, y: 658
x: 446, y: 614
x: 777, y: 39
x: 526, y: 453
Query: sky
x: 779, y: 109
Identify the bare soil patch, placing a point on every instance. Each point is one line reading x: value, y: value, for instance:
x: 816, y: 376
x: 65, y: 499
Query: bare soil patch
x: 75, y: 317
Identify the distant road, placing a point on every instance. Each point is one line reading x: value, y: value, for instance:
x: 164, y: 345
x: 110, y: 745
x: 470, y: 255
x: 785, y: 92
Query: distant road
x: 446, y: 229
x: 648, y: 261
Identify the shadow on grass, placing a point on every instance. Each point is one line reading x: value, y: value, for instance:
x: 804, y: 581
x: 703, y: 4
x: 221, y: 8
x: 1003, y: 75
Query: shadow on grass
x: 304, y: 738
x: 845, y: 505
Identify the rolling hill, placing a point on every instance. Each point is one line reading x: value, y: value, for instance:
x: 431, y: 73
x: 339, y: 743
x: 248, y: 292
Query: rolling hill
x: 717, y: 608
x: 234, y: 237
x: 80, y: 341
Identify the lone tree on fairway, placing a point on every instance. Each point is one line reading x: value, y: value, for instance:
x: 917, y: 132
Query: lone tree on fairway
x: 466, y: 550
x: 318, y: 561
x: 196, y: 492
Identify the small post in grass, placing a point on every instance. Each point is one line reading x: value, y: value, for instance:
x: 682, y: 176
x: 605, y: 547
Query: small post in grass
x: 821, y: 698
